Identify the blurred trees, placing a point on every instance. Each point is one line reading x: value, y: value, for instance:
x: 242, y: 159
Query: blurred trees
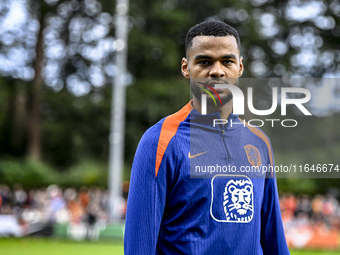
x: 67, y: 46
x: 56, y: 63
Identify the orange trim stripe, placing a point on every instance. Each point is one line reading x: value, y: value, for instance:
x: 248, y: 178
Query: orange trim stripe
x: 169, y: 129
x: 260, y: 134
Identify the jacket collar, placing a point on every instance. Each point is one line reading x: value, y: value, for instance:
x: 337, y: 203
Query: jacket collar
x: 207, y: 121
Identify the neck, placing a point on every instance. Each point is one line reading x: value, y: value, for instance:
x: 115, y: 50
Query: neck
x: 224, y: 110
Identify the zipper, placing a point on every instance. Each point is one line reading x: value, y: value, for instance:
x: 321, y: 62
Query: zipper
x: 224, y: 144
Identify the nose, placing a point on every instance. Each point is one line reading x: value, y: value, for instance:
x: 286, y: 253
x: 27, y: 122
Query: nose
x: 216, y: 70
x: 240, y: 198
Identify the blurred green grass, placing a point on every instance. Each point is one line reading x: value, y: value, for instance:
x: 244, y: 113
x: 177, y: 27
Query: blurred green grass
x: 43, y: 246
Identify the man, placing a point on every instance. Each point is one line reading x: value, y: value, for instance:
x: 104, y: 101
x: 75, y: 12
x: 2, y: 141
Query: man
x: 175, y: 205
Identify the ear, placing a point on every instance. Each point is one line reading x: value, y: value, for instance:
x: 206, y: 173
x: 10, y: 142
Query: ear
x: 185, y: 68
x: 241, y: 67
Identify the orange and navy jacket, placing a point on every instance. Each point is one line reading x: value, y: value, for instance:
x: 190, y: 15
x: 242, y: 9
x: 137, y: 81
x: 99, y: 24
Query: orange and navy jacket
x: 189, y: 195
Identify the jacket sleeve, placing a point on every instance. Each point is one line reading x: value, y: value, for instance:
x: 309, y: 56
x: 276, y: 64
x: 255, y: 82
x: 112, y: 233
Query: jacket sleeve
x: 273, y: 239
x: 146, y: 199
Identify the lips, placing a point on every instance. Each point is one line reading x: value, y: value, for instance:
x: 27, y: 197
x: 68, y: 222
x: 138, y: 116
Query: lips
x: 218, y: 90
x: 212, y: 84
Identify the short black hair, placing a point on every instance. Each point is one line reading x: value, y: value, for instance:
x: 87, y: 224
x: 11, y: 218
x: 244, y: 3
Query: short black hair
x: 211, y: 28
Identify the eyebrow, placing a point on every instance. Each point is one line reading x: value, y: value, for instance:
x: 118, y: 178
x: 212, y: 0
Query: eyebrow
x: 228, y: 56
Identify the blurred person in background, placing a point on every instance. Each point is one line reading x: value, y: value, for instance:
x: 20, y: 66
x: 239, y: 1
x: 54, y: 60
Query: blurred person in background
x: 84, y: 197
x: 304, y: 205
x: 76, y: 229
x: 56, y: 203
x: 317, y: 207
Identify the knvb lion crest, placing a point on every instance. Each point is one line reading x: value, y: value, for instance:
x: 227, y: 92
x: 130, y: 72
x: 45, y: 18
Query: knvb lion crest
x: 253, y: 155
x: 238, y: 201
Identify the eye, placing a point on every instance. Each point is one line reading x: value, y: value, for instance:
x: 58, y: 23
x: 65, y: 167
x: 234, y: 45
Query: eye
x: 203, y: 62
x: 227, y: 62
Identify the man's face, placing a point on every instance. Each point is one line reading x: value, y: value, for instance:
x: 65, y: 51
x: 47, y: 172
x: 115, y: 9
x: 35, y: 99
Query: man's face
x: 212, y: 60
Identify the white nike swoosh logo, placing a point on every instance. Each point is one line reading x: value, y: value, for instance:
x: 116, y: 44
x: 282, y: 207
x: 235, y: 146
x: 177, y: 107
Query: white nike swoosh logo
x: 196, y: 155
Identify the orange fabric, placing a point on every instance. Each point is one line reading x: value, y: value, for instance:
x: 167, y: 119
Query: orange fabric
x: 84, y: 198
x: 77, y: 211
x: 169, y: 129
x: 263, y: 137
